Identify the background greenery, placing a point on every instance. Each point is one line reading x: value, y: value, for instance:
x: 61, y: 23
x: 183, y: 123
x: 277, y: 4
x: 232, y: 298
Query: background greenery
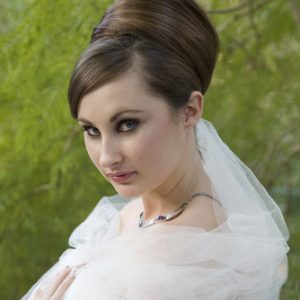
x: 48, y: 185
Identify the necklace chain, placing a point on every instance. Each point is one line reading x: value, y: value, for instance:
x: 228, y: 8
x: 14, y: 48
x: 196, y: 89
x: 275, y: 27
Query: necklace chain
x: 169, y: 216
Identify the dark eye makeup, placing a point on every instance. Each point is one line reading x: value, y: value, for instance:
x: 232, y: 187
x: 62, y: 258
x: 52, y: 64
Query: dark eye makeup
x: 91, y: 131
x: 126, y: 125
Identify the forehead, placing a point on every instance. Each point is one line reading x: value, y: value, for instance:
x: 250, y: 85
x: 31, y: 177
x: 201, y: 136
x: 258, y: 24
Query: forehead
x: 126, y: 92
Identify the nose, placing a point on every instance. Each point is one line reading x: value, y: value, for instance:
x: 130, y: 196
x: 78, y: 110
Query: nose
x: 110, y: 153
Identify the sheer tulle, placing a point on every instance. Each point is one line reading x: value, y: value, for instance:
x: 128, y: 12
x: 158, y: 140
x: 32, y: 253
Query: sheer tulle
x: 245, y: 257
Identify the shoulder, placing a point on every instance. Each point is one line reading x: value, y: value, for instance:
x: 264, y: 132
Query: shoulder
x: 202, y: 213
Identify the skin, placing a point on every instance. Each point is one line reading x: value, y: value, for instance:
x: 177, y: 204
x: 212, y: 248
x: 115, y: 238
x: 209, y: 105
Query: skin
x: 56, y: 289
x: 156, y: 143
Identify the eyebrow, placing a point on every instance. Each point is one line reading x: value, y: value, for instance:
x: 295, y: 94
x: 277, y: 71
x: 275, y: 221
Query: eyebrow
x: 115, y: 116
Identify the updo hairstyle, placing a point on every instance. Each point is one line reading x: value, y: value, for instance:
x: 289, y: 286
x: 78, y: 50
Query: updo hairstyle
x: 172, y: 42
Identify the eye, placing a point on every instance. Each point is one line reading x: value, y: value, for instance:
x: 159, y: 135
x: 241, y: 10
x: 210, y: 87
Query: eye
x: 91, y: 131
x: 127, y: 125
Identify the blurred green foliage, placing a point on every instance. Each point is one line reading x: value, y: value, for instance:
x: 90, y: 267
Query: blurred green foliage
x: 47, y: 183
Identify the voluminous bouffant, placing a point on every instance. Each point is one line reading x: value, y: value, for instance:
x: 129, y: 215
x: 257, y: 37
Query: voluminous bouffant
x: 171, y: 42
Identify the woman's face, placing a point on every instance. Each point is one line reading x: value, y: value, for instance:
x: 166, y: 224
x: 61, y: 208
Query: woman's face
x: 131, y: 136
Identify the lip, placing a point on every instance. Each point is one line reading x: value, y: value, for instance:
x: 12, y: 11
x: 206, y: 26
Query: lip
x: 121, y: 177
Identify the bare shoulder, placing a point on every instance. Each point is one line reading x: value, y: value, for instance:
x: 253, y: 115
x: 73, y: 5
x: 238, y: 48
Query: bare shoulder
x: 203, y: 213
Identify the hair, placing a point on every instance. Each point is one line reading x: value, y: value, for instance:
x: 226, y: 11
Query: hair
x: 172, y: 42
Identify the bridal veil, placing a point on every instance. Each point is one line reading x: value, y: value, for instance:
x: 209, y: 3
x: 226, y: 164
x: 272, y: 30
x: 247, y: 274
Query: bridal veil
x: 244, y: 258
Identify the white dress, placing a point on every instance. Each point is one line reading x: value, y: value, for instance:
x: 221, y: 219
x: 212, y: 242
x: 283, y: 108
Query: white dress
x: 245, y: 257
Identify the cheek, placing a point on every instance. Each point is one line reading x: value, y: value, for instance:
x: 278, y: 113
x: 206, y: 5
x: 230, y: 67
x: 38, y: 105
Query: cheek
x: 157, y: 152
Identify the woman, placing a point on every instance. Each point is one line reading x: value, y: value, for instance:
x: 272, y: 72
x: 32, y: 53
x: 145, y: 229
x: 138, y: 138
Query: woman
x: 190, y: 219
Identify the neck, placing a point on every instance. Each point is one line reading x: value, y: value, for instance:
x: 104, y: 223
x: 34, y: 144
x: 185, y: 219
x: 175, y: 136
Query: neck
x: 188, y: 179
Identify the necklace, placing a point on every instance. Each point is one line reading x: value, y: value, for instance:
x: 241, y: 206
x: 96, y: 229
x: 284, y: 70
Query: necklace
x: 169, y: 216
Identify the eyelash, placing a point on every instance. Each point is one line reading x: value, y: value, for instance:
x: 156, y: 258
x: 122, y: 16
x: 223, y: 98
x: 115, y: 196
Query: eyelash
x: 86, y: 128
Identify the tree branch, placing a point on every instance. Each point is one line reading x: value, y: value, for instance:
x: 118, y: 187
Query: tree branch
x: 265, y: 165
x: 295, y: 12
x: 285, y: 163
x: 74, y: 131
x: 253, y: 8
x: 247, y: 7
x: 41, y: 188
x: 230, y: 9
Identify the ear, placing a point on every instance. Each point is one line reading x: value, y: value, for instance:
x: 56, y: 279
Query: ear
x: 193, y: 110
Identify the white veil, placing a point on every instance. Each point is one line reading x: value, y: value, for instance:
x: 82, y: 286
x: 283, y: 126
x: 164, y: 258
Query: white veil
x: 250, y: 211
x: 244, y: 258
x: 237, y: 188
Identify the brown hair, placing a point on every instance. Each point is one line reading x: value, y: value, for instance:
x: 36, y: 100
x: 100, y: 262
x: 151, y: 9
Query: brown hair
x: 171, y: 41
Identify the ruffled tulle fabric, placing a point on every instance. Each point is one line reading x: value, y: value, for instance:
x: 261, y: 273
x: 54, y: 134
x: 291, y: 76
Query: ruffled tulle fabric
x: 245, y: 257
